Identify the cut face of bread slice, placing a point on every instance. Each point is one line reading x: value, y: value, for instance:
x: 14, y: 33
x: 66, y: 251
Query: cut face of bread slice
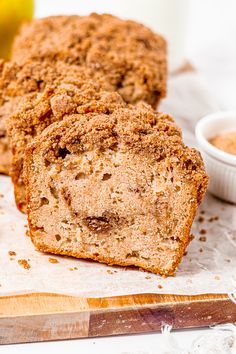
x: 119, y: 188
x: 17, y: 82
x: 38, y: 112
x: 127, y: 54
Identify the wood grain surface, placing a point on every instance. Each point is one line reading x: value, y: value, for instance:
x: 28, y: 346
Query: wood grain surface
x: 42, y: 316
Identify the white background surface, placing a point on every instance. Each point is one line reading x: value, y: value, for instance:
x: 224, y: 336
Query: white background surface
x: 179, y: 343
x: 211, y: 46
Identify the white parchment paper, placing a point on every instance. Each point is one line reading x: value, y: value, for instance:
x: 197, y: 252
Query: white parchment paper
x: 208, y: 267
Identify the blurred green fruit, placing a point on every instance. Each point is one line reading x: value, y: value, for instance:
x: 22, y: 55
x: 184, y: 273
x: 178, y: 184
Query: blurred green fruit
x: 12, y: 14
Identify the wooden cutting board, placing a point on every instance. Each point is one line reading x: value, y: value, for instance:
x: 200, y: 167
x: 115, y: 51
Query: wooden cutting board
x: 43, y: 316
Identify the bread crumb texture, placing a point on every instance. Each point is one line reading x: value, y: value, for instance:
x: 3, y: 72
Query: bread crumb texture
x: 53, y: 260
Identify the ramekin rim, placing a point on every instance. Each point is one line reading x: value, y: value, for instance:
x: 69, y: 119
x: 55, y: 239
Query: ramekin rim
x: 212, y: 150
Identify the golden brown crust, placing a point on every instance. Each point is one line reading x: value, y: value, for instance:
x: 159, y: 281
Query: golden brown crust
x: 130, y: 56
x: 138, y: 129
x: 42, y: 246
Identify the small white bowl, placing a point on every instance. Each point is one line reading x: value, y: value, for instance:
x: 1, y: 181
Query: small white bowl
x: 220, y: 165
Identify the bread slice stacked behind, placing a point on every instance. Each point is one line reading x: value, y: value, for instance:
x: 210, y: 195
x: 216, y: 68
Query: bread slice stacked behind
x: 129, y: 55
x: 20, y: 83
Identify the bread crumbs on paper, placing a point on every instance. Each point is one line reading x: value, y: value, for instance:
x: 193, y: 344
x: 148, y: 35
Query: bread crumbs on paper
x: 213, y: 218
x: 203, y: 232
x: 24, y: 263
x: 202, y: 238
x: 12, y: 253
x: 217, y: 277
x: 201, y: 250
x: 201, y: 219
x: 72, y: 269
x: 159, y: 286
x: 53, y: 260
x: 148, y: 277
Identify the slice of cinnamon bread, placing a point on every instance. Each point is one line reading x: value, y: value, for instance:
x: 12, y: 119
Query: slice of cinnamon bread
x: 75, y: 95
x: 17, y: 82
x: 119, y: 187
x: 127, y: 54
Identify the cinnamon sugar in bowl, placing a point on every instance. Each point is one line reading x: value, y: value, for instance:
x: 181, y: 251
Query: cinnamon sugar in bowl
x: 225, y: 141
x: 216, y: 136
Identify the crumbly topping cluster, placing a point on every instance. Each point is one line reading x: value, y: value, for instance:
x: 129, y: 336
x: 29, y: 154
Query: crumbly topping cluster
x: 130, y: 56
